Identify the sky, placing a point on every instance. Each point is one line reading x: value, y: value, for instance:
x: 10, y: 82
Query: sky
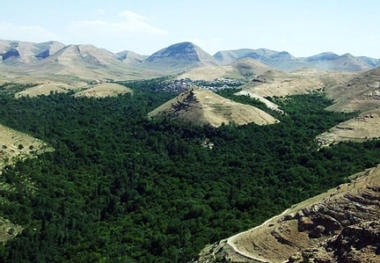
x: 301, y: 27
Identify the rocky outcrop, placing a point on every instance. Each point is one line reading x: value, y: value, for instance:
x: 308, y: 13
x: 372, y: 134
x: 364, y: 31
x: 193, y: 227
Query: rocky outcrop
x: 341, y: 225
x: 356, y: 243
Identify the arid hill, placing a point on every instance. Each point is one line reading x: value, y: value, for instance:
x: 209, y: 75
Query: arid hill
x: 361, y: 93
x: 240, y: 69
x: 364, y: 127
x: 201, y: 106
x: 277, y: 83
x: 103, y: 90
x: 341, y: 225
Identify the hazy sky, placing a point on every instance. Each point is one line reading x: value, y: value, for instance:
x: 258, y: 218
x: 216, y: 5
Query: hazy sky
x: 301, y: 27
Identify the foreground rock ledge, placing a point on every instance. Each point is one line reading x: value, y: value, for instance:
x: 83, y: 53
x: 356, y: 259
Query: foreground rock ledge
x: 341, y: 225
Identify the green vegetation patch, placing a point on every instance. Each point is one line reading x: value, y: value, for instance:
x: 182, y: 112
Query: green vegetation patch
x: 122, y: 188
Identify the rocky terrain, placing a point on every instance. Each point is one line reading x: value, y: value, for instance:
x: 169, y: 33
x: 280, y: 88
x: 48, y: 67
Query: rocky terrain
x: 201, y: 106
x: 341, y: 225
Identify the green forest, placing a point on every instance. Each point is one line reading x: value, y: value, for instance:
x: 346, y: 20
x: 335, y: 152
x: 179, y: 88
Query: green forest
x: 122, y: 188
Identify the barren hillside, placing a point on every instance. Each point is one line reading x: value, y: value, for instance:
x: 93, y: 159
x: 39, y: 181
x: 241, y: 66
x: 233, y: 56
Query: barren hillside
x: 364, y: 127
x: 303, y: 81
x: 359, y: 93
x: 103, y: 90
x: 240, y: 69
x: 202, y: 106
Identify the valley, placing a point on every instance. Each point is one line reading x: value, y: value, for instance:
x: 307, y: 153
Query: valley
x: 122, y: 157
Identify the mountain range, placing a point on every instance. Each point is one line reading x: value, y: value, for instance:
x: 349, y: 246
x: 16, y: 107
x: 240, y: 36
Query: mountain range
x: 90, y: 62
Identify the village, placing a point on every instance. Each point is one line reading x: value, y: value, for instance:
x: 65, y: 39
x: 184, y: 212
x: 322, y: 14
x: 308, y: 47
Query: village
x: 181, y: 85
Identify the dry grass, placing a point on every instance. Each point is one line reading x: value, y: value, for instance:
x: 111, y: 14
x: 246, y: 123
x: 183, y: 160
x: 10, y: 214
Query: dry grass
x: 237, y: 70
x: 360, y: 93
x: 297, y: 82
x: 16, y: 145
x: 103, y: 90
x: 364, y: 127
x: 43, y: 89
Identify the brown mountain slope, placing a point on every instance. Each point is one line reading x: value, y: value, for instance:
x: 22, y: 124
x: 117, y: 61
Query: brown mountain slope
x: 25, y: 61
x: 277, y: 83
x: 82, y: 61
x: 359, y: 93
x: 178, y: 58
x: 340, y: 225
x: 240, y: 69
x: 364, y: 127
x: 201, y: 106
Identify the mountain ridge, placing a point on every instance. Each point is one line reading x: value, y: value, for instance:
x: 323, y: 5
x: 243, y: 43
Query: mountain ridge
x: 176, y: 58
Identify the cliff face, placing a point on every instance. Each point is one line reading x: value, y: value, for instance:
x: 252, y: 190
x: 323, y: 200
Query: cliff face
x: 341, y: 225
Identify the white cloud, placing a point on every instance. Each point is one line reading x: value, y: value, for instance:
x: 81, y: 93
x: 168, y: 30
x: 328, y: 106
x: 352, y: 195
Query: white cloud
x: 132, y: 24
x: 26, y: 33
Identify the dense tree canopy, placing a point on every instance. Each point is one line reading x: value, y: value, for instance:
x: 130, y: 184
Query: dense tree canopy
x: 122, y: 188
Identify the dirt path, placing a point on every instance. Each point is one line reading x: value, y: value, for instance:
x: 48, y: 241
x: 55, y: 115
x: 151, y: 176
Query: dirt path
x: 235, y: 244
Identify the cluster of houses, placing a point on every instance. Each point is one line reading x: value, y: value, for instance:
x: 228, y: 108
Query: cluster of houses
x: 180, y: 85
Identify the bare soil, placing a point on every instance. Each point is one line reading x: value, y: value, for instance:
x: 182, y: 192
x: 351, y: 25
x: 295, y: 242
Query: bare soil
x: 103, y: 90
